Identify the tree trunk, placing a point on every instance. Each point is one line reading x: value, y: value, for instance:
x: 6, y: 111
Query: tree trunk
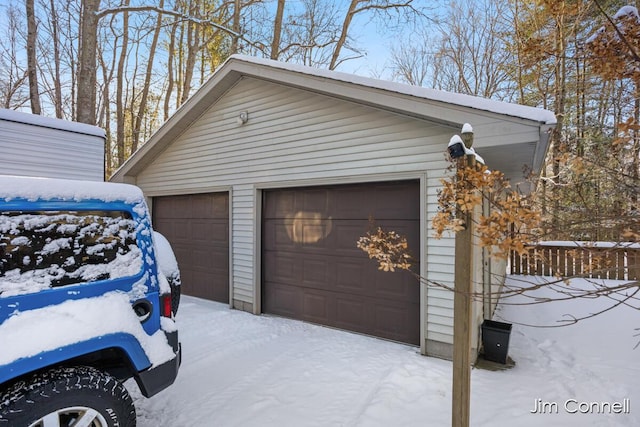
x: 343, y: 34
x: 120, y: 96
x: 32, y: 63
x: 635, y: 149
x: 236, y: 26
x: 560, y: 93
x: 57, y: 90
x: 277, y: 30
x: 147, y: 82
x: 86, y: 104
x: 180, y: 53
x: 108, y: 153
x: 193, y: 46
x: 170, y: 80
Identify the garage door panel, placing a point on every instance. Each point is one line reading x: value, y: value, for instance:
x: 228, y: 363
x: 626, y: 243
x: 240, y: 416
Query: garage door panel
x: 197, y: 226
x: 276, y: 236
x: 309, y: 249
x: 351, y: 313
x: 315, y: 272
x: 200, y: 231
x: 313, y: 200
x: 279, y: 266
x: 383, y: 319
x: 283, y: 300
x: 404, y: 290
x: 397, y: 323
x: 279, y: 204
x: 381, y: 202
x: 348, y: 202
x: 316, y: 306
x: 351, y: 276
x: 181, y: 231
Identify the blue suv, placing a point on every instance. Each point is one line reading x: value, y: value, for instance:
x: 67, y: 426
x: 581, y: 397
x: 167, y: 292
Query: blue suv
x: 84, y: 304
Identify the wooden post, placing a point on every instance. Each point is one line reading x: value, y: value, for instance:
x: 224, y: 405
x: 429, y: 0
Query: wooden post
x: 461, y: 390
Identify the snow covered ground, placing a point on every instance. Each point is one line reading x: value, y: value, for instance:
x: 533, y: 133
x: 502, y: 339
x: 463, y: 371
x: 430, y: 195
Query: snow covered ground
x: 244, y: 370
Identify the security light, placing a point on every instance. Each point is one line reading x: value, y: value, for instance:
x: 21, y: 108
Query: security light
x: 456, y: 147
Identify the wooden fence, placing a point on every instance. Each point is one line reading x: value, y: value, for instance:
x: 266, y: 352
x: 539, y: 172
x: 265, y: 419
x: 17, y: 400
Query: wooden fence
x: 576, y: 259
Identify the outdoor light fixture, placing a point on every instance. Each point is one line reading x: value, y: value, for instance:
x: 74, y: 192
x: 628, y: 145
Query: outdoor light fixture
x: 243, y: 118
x: 456, y: 147
x: 467, y: 135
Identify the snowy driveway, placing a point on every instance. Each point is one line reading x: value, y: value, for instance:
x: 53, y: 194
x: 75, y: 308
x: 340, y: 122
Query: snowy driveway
x: 244, y: 370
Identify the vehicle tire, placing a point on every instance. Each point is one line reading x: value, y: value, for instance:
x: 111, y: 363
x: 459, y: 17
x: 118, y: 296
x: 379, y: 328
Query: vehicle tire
x: 64, y: 396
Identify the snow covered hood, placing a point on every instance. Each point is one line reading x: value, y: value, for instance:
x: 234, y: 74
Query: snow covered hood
x: 13, y: 187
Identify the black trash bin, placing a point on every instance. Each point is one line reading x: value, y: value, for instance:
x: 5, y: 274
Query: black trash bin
x: 495, y: 340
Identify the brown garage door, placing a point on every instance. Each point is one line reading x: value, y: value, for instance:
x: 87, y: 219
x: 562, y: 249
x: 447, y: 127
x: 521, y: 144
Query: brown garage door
x: 313, y: 271
x: 197, y: 225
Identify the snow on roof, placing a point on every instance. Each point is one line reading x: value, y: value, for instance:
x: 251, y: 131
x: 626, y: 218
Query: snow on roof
x: 500, y: 107
x: 49, y: 122
x: 30, y: 188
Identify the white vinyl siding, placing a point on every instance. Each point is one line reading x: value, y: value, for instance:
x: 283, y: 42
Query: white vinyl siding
x: 440, y: 269
x: 32, y: 150
x: 244, y: 237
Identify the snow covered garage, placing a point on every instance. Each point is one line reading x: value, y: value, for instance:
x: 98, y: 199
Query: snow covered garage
x: 265, y: 178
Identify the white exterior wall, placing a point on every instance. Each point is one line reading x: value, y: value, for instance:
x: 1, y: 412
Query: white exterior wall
x: 52, y: 148
x: 297, y: 138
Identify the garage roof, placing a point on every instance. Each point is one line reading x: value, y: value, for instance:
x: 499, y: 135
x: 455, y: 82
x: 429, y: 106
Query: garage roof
x: 446, y: 108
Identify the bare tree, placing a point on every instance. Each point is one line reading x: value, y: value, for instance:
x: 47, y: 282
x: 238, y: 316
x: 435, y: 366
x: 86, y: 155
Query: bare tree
x: 13, y: 75
x: 57, y: 76
x: 311, y: 33
x: 415, y: 62
x: 171, y: 53
x: 120, y: 76
x: 465, y: 54
x: 236, y: 26
x: 147, y: 82
x: 86, y: 93
x: 356, y: 7
x: 192, y: 43
x: 32, y: 63
x: 107, y: 76
x: 277, y: 30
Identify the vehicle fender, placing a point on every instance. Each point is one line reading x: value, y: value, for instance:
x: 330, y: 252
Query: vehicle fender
x: 128, y: 343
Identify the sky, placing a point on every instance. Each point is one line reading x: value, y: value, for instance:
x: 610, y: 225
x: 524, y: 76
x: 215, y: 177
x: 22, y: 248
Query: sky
x: 375, y: 39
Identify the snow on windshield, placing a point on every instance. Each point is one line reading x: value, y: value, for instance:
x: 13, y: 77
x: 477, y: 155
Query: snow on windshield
x: 41, y: 250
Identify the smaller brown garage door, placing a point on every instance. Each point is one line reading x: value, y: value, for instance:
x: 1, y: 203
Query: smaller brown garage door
x: 313, y: 271
x: 197, y: 226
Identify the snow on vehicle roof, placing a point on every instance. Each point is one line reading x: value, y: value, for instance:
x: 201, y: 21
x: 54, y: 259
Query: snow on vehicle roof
x: 49, y: 122
x: 31, y: 188
x: 500, y: 107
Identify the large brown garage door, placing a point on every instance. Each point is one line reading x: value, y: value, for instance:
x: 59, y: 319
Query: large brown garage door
x: 197, y: 225
x: 313, y: 271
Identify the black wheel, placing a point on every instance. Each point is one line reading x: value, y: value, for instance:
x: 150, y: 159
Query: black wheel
x: 65, y: 397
